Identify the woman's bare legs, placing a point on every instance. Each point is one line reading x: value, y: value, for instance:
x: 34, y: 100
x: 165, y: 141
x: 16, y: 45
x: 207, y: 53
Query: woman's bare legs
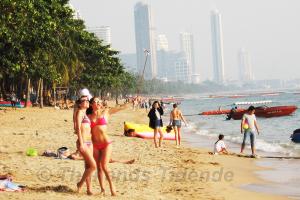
x: 161, y: 136
x: 97, y: 155
x: 155, y: 137
x: 104, y: 160
x: 179, y: 136
x: 176, y: 135
x: 90, y: 168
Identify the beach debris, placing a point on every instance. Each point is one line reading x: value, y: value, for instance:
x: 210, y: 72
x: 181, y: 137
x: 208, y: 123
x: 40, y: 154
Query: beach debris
x: 22, y: 118
x: 214, y: 163
x: 66, y: 120
x: 31, y: 152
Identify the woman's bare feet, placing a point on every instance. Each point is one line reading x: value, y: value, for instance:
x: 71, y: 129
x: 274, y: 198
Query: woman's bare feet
x: 89, y: 192
x: 102, y: 193
x: 113, y: 193
x: 79, y: 186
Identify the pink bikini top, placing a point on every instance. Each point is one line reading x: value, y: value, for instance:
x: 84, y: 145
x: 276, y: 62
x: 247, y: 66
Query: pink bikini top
x: 100, y: 121
x: 86, y: 120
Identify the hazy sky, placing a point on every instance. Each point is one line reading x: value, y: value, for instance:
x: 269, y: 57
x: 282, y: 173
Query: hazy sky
x: 268, y: 29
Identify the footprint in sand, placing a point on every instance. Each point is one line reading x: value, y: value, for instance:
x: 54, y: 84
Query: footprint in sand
x: 189, y: 161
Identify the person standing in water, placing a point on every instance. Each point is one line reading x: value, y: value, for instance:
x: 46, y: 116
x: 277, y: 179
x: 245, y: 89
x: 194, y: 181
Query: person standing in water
x: 175, y: 120
x: 155, y: 121
x: 249, y: 127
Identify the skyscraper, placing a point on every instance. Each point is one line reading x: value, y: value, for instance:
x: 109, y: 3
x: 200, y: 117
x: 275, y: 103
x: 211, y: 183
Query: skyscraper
x: 187, y: 48
x: 245, y: 68
x: 103, y: 33
x: 217, y: 46
x: 162, y: 43
x: 144, y: 39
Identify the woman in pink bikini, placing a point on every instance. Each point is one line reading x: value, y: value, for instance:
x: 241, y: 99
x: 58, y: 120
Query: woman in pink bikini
x: 84, y: 143
x: 101, y: 142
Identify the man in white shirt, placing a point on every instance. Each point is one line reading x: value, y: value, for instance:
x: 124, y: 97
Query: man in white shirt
x: 249, y: 127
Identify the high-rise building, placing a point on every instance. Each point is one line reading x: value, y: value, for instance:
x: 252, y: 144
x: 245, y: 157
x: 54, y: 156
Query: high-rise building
x: 103, y: 33
x: 187, y: 48
x: 245, y: 68
x: 144, y: 38
x: 182, y: 71
x: 162, y: 43
x: 217, y: 46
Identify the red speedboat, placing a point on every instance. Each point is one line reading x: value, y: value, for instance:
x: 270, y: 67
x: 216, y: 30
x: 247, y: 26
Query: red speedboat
x: 260, y: 111
x: 267, y: 112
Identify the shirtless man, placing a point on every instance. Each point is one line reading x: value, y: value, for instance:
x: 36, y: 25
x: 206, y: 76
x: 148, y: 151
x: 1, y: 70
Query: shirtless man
x: 175, y: 121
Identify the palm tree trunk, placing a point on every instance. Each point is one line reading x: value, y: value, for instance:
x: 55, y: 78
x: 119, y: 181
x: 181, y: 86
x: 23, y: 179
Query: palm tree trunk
x: 42, y: 94
x: 28, y: 94
x: 54, y: 94
x: 38, y: 92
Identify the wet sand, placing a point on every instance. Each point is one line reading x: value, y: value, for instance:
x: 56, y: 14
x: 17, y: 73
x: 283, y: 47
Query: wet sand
x: 164, y: 173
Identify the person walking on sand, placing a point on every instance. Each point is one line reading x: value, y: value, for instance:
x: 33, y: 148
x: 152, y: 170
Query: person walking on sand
x: 84, y: 144
x: 249, y: 127
x: 13, y: 100
x: 175, y: 120
x: 99, y: 116
x: 155, y: 121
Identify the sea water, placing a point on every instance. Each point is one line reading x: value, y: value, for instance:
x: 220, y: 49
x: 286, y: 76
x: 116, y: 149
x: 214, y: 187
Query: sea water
x: 274, y: 139
x: 274, y: 132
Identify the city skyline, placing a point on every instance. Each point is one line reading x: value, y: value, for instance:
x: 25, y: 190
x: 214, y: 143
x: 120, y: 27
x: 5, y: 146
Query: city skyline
x: 268, y: 29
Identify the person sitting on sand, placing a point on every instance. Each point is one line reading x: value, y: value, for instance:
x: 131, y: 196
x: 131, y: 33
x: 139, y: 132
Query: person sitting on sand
x: 175, y: 120
x: 220, y: 147
x: 84, y: 144
x: 101, y: 142
x: 155, y: 121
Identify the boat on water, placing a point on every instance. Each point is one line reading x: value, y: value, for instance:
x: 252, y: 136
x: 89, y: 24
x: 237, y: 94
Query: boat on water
x: 171, y: 100
x: 260, y: 111
x: 263, y: 110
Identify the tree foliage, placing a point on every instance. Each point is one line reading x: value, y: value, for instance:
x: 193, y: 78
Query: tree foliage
x: 41, y: 39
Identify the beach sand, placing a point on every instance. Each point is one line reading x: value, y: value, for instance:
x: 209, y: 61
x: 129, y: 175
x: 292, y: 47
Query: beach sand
x: 164, y: 173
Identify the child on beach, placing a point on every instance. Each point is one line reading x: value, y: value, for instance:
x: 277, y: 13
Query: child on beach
x: 220, y: 147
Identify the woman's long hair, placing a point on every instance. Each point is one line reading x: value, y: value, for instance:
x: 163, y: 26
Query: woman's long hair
x: 89, y: 111
x: 154, y: 104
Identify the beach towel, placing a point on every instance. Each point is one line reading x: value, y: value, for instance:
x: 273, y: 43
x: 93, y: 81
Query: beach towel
x: 8, y: 186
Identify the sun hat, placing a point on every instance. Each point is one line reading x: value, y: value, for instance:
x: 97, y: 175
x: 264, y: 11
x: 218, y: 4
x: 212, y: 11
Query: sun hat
x: 85, y: 92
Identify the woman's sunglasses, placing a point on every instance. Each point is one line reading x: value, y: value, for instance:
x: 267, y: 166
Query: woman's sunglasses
x: 84, y: 100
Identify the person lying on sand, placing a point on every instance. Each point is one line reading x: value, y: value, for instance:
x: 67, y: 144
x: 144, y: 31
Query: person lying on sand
x: 6, y: 176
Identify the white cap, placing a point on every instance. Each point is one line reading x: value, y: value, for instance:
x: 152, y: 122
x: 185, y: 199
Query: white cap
x: 85, y: 92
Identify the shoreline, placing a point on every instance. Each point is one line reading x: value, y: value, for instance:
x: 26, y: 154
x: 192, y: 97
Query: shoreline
x: 165, y: 173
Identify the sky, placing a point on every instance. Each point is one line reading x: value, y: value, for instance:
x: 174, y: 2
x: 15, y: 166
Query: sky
x: 269, y: 30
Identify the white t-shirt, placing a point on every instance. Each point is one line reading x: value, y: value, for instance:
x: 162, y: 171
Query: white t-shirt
x: 219, y: 146
x: 157, y: 114
x: 250, y: 119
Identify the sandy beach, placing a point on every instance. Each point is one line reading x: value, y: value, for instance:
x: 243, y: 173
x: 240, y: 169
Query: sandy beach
x: 164, y: 173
